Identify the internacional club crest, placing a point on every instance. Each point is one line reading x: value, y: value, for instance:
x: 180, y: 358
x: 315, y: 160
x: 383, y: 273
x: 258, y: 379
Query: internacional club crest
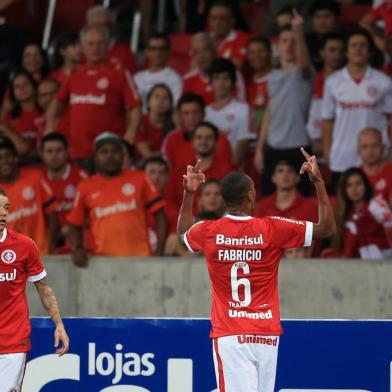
x: 8, y: 256
x: 128, y: 189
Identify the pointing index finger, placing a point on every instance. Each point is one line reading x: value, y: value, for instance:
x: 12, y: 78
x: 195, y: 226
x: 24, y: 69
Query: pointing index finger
x: 197, y: 166
x: 305, y: 154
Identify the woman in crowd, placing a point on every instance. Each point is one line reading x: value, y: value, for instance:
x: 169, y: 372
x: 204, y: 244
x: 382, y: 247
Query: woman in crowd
x: 25, y: 118
x: 34, y: 61
x: 67, y: 55
x: 361, y: 220
x: 157, y: 123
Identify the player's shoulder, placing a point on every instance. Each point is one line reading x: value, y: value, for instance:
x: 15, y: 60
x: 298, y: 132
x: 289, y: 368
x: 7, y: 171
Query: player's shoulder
x: 31, y: 174
x: 20, y: 238
x: 380, y: 76
x: 78, y: 172
x: 337, y: 77
x: 89, y: 183
x: 171, y: 72
x: 141, y: 75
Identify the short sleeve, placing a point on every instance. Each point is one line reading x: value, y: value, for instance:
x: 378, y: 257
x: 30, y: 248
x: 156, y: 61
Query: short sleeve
x: 129, y: 91
x: 386, y: 104
x: 63, y: 93
x: 76, y: 216
x: 328, y: 103
x: 289, y: 233
x: 153, y: 200
x: 34, y: 267
x: 195, y: 237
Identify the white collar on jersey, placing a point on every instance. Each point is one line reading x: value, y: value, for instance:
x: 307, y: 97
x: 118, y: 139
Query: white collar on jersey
x: 240, y: 218
x: 4, y: 236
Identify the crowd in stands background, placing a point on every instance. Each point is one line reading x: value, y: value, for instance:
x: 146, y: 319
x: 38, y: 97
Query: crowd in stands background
x: 94, y: 140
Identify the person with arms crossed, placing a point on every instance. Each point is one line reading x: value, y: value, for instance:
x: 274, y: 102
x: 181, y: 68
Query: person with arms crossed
x: 243, y: 255
x: 20, y: 262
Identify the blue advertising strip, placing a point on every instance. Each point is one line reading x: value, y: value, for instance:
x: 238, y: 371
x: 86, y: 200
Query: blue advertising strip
x: 175, y: 355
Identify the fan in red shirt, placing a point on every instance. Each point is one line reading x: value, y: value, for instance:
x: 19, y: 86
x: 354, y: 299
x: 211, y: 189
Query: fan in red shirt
x: 259, y: 58
x: 376, y: 168
x: 119, y: 52
x: 287, y: 201
x: 101, y: 95
x: 243, y: 255
x: 204, y: 144
x: 231, y: 44
x: 177, y: 146
x: 20, y: 263
x: 360, y: 219
x: 157, y: 123
x: 198, y: 80
x: 63, y: 178
x: 25, y: 118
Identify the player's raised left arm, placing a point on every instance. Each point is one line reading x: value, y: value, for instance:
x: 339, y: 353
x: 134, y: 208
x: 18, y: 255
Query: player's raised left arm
x: 191, y: 182
x: 133, y: 119
x: 326, y: 226
x: 49, y: 301
x: 301, y: 49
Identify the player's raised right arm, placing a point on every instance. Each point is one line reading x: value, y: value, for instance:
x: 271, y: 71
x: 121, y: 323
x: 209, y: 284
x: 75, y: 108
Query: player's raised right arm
x: 191, y: 182
x: 52, y: 112
x: 326, y: 226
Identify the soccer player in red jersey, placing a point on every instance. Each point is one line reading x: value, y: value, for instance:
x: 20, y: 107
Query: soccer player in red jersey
x: 243, y: 255
x: 20, y: 263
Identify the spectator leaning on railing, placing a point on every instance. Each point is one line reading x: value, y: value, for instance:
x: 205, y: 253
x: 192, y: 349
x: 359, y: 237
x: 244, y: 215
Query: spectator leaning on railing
x: 101, y: 96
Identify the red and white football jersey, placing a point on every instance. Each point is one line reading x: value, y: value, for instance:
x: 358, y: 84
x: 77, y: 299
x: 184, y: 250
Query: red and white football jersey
x: 382, y: 181
x: 243, y: 255
x: 354, y: 106
x: 64, y: 189
x: 98, y: 97
x: 233, y: 47
x: 19, y: 263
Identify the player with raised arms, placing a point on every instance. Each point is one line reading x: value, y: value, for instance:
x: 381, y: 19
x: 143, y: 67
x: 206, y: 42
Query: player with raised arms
x: 243, y: 255
x: 20, y: 263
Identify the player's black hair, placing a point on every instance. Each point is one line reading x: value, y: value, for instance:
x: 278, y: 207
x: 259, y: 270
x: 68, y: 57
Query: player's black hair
x: 234, y: 188
x: 285, y: 162
x: 209, y: 125
x: 63, y: 41
x: 220, y: 66
x: 225, y: 4
x: 6, y: 144
x: 55, y: 137
x: 285, y: 10
x: 3, y: 192
x: 191, y: 98
x: 364, y: 33
x: 331, y: 37
x: 324, y: 5
x: 155, y: 159
x: 161, y: 36
x: 261, y: 40
x: 210, y: 181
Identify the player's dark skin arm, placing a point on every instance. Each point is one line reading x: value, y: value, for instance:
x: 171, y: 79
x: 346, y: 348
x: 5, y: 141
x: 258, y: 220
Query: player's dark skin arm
x: 49, y: 302
x: 161, y: 230
x: 79, y: 256
x: 326, y: 226
x: 191, y: 182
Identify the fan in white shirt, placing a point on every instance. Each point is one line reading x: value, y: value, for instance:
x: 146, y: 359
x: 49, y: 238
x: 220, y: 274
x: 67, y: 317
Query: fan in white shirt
x: 157, y: 54
x: 226, y: 113
x: 355, y: 98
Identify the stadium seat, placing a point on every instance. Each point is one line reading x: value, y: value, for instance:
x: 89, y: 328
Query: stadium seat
x: 255, y: 15
x: 352, y: 14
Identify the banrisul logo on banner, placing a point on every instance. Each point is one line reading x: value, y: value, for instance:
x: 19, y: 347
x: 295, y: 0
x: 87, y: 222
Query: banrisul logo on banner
x: 147, y: 355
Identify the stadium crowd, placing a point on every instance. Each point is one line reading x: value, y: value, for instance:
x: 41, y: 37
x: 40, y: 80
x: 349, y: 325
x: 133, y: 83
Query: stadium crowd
x: 94, y: 142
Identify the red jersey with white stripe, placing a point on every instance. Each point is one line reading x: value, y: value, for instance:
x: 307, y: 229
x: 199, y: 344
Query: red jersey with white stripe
x: 98, y: 96
x: 19, y: 263
x: 64, y: 189
x: 243, y: 255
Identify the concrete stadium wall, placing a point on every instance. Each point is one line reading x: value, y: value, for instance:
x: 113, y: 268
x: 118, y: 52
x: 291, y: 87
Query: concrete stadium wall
x: 175, y: 287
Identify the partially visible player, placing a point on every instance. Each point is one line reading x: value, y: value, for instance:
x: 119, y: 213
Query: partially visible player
x: 243, y: 255
x: 20, y: 263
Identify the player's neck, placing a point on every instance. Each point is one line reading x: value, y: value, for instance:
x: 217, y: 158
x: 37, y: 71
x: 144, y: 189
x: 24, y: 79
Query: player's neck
x: 328, y: 70
x: 221, y: 102
x: 260, y: 73
x: 285, y: 197
x: 58, y: 174
x: 206, y: 161
x: 238, y: 211
x: 287, y: 64
x: 156, y: 68
x: 156, y: 119
x: 372, y: 169
x: 357, y: 71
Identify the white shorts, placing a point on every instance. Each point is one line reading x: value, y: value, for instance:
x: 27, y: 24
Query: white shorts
x: 12, y: 368
x: 245, y: 363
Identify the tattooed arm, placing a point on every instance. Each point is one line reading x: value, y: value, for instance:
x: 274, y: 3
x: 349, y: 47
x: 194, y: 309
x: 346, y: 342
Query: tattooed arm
x: 49, y: 302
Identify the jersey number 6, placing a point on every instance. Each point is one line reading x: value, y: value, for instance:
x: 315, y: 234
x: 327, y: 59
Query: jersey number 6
x: 237, y: 283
